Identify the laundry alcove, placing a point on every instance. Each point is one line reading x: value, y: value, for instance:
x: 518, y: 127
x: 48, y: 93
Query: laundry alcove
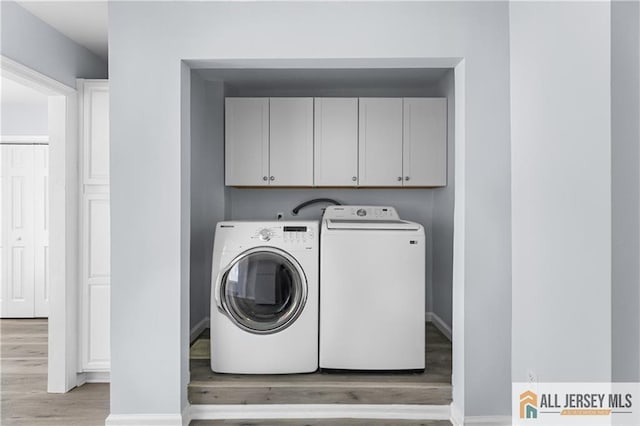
x: 212, y: 201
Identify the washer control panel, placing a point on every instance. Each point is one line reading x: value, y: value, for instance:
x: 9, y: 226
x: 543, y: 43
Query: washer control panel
x: 361, y: 213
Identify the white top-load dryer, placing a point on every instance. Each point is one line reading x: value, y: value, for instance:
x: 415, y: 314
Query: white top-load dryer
x: 372, y: 290
x: 264, y: 297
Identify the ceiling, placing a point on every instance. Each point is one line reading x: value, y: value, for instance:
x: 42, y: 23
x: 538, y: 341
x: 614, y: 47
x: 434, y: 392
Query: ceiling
x: 85, y: 22
x: 16, y: 93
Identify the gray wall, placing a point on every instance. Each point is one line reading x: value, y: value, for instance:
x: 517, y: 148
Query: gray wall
x: 561, y: 191
x: 625, y: 196
x: 442, y: 220
x: 24, y: 119
x: 150, y: 282
x: 31, y: 42
x: 207, y: 188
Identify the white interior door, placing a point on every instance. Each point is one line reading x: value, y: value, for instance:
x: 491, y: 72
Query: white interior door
x: 3, y: 234
x: 17, y: 208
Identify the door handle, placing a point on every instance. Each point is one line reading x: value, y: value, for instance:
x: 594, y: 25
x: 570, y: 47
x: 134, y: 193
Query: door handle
x: 216, y: 292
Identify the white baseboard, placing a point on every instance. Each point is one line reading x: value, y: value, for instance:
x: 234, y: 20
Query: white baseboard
x: 199, y: 328
x: 144, y: 420
x: 319, y: 411
x: 24, y: 139
x: 457, y: 416
x: 93, y: 377
x: 439, y: 324
x: 458, y: 419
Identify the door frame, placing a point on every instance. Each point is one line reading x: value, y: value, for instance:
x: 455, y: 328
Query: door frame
x: 63, y: 218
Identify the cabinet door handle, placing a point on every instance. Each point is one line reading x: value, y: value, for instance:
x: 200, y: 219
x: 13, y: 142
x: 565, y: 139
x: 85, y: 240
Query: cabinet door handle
x: 272, y: 178
x: 399, y: 178
x: 265, y: 178
x: 407, y: 178
x: 354, y: 178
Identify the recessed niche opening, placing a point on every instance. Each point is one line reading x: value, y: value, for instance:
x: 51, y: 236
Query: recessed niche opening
x: 212, y: 201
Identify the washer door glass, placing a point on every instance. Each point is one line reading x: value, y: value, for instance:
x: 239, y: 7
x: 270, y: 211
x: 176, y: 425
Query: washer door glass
x: 263, y: 290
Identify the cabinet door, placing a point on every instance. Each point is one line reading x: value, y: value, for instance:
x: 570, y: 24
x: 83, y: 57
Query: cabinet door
x: 291, y: 141
x: 95, y: 121
x: 425, y: 142
x: 380, y: 142
x: 96, y: 271
x: 246, y: 141
x: 95, y: 234
x: 336, y: 142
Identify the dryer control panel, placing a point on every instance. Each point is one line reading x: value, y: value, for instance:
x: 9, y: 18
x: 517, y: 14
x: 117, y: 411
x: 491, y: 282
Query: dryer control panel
x: 294, y: 234
x: 361, y: 213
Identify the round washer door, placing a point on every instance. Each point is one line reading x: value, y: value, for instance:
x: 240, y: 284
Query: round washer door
x: 263, y: 290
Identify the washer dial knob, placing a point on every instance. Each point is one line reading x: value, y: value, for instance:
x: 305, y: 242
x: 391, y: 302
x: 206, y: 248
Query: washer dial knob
x: 265, y: 234
x: 361, y: 212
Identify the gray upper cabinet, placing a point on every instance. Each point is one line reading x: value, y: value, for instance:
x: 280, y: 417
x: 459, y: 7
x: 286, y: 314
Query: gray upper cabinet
x: 269, y: 141
x: 424, y: 142
x: 246, y: 141
x: 291, y: 142
x: 380, y: 142
x: 336, y: 142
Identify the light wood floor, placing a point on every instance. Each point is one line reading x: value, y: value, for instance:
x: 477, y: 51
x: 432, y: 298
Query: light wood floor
x: 25, y: 401
x: 431, y: 387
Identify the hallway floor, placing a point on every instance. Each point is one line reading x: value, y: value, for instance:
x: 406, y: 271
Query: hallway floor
x: 25, y: 401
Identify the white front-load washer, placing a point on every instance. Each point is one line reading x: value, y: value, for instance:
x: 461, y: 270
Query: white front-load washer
x: 372, y: 290
x: 264, y: 297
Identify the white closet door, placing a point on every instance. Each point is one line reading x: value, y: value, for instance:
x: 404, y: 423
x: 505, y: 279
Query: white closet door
x: 41, y: 229
x: 18, y: 213
x: 3, y: 234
